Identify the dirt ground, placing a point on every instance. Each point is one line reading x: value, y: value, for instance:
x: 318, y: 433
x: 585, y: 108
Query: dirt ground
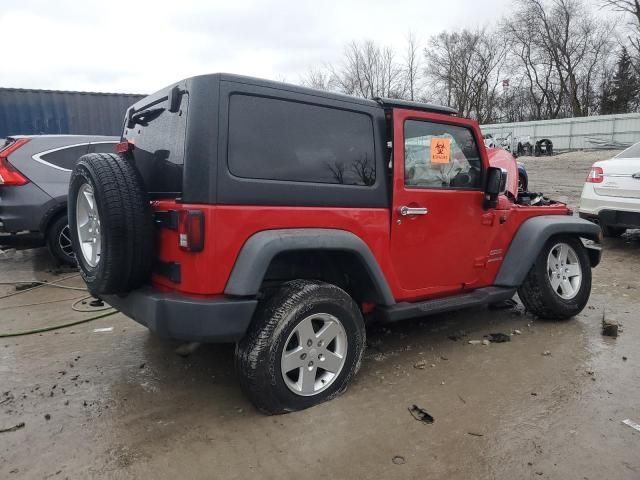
x: 119, y: 403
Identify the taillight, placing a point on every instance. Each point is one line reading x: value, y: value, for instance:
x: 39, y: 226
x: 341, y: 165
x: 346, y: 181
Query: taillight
x: 124, y: 147
x: 9, y: 175
x: 596, y: 175
x: 191, y: 230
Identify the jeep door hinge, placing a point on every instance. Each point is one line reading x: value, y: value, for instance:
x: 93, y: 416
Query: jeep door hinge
x: 166, y: 219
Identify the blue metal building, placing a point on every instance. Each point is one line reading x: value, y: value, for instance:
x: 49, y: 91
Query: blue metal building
x: 28, y: 112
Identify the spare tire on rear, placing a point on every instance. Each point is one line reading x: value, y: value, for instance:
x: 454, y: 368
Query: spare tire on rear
x: 111, y: 224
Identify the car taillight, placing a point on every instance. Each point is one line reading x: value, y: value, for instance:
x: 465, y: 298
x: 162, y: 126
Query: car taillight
x: 9, y: 175
x: 191, y: 230
x: 124, y: 147
x: 596, y: 175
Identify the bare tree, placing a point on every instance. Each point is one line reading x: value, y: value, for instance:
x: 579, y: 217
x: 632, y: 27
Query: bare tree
x: 412, y: 67
x: 630, y: 7
x: 317, y: 78
x: 364, y: 171
x: 465, y: 68
x: 368, y: 70
x: 337, y: 171
x: 560, y: 46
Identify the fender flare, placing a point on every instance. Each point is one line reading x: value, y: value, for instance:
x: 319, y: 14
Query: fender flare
x: 261, y: 248
x: 531, y: 237
x: 51, y: 213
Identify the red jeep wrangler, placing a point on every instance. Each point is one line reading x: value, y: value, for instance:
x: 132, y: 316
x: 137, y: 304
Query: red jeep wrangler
x: 284, y: 218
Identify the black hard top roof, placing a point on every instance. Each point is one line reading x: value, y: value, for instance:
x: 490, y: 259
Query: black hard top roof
x: 426, y: 107
x: 378, y: 102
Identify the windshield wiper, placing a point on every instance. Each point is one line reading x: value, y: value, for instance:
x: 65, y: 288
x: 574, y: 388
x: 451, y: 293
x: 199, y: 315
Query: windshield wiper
x: 143, y: 117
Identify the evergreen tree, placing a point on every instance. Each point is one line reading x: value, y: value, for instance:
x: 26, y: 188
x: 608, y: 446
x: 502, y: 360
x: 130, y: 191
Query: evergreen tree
x: 620, y: 95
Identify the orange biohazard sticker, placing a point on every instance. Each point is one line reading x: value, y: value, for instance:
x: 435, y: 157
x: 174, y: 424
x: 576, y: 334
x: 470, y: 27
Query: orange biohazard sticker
x: 440, y: 150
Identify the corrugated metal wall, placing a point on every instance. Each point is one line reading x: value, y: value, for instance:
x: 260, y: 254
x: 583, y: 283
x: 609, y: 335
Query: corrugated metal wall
x: 26, y: 112
x: 575, y: 133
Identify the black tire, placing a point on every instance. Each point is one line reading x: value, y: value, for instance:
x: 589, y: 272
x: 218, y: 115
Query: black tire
x: 126, y: 223
x: 258, y: 354
x: 612, y: 232
x: 539, y: 297
x: 59, y: 241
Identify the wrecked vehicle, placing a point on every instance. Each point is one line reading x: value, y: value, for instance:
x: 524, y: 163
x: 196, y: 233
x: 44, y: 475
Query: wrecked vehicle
x: 284, y: 218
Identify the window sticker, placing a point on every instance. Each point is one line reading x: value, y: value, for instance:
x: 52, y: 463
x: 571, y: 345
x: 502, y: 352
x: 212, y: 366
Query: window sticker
x: 440, y: 150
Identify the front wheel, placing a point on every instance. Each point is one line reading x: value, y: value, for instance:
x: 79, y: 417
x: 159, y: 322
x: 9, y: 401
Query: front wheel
x: 559, y: 282
x: 304, y: 346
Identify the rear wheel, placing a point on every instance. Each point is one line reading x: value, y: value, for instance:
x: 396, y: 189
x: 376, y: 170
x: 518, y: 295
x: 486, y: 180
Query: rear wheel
x: 111, y: 224
x: 559, y: 283
x: 304, y: 346
x: 59, y: 241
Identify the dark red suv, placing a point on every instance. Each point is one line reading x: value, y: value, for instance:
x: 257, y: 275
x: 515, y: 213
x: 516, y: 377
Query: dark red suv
x: 285, y: 219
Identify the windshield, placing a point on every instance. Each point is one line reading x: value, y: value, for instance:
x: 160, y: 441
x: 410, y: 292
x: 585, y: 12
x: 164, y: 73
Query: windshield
x: 631, y: 152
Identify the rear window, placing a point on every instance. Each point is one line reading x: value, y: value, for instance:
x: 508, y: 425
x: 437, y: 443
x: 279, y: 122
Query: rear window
x: 276, y: 139
x: 631, y: 152
x: 159, y: 138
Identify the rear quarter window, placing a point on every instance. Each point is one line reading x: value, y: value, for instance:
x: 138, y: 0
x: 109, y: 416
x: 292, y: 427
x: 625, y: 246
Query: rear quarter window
x: 65, y: 157
x: 275, y: 139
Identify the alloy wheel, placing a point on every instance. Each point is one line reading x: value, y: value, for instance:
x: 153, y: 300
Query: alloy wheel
x: 564, y: 271
x: 88, y: 225
x: 314, y: 354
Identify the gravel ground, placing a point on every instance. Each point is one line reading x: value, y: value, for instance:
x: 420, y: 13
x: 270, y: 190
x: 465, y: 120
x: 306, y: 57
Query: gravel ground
x: 107, y: 399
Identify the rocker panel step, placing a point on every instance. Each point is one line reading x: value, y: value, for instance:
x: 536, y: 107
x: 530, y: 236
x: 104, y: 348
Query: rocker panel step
x: 479, y: 297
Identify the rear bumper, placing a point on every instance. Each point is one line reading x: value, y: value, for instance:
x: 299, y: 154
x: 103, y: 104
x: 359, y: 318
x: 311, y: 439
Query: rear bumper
x: 22, y: 207
x: 614, y: 218
x: 22, y: 239
x: 592, y: 203
x: 170, y: 315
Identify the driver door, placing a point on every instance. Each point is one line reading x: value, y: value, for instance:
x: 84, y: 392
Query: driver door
x: 440, y: 233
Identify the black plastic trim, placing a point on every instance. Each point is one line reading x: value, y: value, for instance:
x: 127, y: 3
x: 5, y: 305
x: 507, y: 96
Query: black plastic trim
x: 423, y: 107
x: 531, y: 237
x: 476, y: 298
x: 181, y: 317
x: 166, y: 219
x: 170, y: 270
x: 260, y: 249
x: 619, y: 218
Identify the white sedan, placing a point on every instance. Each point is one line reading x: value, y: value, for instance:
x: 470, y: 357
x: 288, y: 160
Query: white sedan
x: 611, y: 193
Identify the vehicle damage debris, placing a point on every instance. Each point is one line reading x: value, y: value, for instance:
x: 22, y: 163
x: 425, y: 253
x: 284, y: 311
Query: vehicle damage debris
x: 499, y: 337
x: 421, y: 414
x: 610, y: 327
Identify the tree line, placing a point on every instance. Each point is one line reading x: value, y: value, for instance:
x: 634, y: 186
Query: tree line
x: 546, y: 59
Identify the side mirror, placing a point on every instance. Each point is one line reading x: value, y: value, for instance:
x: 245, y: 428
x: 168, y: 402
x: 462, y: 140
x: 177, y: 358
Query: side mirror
x: 496, y: 185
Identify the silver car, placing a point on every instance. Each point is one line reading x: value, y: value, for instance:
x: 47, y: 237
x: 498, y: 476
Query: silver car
x: 34, y: 178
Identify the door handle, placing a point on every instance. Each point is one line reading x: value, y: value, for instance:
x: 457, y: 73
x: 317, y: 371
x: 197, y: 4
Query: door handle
x: 404, y: 211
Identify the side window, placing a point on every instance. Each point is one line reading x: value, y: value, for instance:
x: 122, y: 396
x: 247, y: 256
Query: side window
x: 437, y: 155
x: 102, y: 147
x: 65, y: 157
x: 276, y: 139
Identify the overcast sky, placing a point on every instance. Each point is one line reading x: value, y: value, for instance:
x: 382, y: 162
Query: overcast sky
x: 140, y: 46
